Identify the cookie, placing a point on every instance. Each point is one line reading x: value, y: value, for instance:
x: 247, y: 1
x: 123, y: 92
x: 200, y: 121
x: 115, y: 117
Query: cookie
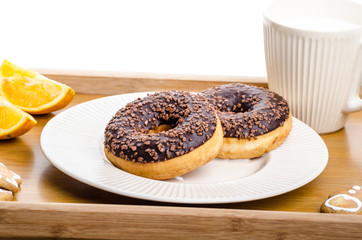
x: 9, y: 180
x: 6, y: 195
x: 345, y: 202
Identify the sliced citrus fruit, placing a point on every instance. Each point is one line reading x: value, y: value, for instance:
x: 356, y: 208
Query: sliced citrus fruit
x: 9, y: 69
x: 13, y: 121
x: 32, y: 92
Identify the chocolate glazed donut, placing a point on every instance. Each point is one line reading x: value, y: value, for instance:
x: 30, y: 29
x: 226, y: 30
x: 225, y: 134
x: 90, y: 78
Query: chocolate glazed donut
x: 254, y: 120
x: 163, y: 135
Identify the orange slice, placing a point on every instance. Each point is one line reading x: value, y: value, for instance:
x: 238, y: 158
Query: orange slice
x: 13, y: 121
x: 32, y: 92
x: 11, y: 70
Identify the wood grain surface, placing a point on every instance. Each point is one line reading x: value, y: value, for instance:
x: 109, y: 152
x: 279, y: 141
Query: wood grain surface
x: 111, y: 83
x: 46, y: 192
x: 98, y: 221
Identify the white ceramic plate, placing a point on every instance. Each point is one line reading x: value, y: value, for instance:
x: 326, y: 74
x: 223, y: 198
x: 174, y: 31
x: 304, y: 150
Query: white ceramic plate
x: 73, y: 142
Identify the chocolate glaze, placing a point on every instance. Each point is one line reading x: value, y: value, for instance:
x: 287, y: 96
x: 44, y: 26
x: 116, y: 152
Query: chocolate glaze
x: 192, y: 119
x: 247, y: 111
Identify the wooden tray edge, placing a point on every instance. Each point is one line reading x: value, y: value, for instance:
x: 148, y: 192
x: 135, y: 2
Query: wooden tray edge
x: 101, y: 82
x: 105, y: 221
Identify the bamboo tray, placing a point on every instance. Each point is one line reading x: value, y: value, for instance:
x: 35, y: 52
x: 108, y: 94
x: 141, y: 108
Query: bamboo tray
x: 53, y: 205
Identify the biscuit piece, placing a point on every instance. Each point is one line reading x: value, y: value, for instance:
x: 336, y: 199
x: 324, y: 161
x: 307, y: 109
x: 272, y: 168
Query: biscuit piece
x: 8, y: 179
x: 345, y: 202
x: 6, y: 195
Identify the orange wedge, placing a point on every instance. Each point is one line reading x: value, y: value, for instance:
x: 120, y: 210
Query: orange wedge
x: 11, y: 70
x: 13, y: 121
x: 32, y: 92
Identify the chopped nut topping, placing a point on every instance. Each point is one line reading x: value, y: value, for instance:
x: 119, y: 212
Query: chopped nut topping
x: 191, y: 118
x: 247, y: 111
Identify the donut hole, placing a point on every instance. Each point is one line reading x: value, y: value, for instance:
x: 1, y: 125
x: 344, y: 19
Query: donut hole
x: 163, y: 124
x: 160, y: 128
x: 237, y: 107
x: 240, y: 108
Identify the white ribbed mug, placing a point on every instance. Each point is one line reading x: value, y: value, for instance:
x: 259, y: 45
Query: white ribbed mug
x: 313, y: 54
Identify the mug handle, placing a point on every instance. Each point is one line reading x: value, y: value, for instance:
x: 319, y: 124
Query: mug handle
x: 354, y: 102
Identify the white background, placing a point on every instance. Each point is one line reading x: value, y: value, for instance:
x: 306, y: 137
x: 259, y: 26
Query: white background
x: 217, y: 37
